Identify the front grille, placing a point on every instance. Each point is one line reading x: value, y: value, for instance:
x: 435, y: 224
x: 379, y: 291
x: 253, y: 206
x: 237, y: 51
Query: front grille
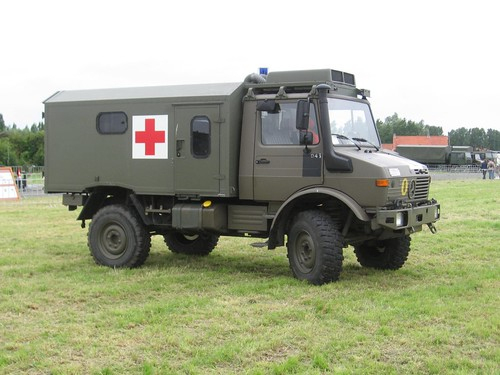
x: 422, y: 188
x: 421, y: 192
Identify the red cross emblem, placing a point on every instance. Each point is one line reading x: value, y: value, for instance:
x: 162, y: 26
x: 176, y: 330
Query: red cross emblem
x: 150, y: 137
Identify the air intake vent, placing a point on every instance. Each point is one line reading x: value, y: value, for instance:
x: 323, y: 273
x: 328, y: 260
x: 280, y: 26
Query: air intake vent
x: 338, y: 76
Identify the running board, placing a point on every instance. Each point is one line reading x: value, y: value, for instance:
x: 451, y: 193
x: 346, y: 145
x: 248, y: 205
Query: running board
x: 260, y: 244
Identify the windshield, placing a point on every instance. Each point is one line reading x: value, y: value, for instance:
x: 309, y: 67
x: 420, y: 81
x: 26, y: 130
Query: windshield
x: 351, y: 120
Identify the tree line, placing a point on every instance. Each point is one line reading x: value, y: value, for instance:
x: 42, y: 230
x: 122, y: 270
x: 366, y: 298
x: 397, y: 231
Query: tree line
x: 21, y: 147
x: 25, y: 147
x: 475, y: 137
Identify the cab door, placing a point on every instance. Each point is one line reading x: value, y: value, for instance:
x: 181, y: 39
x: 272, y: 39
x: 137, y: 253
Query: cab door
x: 282, y: 165
x: 197, y: 158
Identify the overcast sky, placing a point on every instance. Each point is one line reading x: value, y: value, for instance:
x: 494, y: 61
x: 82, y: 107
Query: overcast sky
x: 436, y: 61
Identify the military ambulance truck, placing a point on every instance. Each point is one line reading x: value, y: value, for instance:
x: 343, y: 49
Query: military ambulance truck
x: 291, y: 158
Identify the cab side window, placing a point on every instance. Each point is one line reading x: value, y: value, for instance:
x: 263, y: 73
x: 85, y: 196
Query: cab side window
x: 278, y: 127
x: 200, y: 136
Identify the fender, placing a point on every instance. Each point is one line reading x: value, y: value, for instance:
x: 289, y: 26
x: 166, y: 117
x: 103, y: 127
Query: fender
x: 344, y: 198
x: 277, y: 230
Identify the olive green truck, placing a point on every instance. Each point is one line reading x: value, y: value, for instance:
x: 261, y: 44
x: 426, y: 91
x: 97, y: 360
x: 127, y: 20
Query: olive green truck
x: 292, y: 158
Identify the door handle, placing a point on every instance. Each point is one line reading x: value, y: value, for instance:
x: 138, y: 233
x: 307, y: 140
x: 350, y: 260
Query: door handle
x: 262, y: 161
x: 178, y: 145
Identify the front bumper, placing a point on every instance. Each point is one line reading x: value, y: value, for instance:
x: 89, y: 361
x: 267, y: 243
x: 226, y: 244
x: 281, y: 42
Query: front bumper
x: 407, y: 218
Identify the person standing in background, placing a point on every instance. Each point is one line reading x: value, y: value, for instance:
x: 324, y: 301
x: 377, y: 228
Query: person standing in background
x: 491, y: 169
x: 484, y: 167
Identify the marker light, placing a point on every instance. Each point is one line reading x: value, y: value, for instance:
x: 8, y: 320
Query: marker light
x: 382, y: 182
x: 263, y: 71
x: 207, y: 204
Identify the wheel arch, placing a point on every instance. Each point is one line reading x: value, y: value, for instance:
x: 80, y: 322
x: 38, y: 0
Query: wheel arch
x: 304, y: 198
x: 100, y: 197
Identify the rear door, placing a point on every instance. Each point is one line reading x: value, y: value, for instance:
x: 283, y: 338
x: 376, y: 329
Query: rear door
x: 196, y: 160
x: 283, y: 166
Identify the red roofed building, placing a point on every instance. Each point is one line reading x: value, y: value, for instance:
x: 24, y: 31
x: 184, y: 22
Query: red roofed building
x: 417, y: 140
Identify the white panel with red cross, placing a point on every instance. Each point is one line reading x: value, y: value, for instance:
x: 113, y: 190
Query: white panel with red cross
x: 149, y: 137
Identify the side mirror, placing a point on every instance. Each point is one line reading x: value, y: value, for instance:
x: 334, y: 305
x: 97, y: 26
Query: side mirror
x: 302, y: 118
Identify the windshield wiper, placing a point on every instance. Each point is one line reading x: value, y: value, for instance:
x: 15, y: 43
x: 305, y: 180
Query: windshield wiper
x: 342, y: 136
x: 366, y: 141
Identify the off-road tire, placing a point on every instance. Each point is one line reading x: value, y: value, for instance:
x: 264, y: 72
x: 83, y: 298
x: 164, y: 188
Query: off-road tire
x: 198, y: 244
x: 315, y: 248
x: 389, y: 254
x: 117, y: 238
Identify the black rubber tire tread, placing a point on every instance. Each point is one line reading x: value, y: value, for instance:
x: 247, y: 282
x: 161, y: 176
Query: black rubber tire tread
x: 123, y: 225
x: 389, y: 254
x: 314, y: 232
x: 201, y: 245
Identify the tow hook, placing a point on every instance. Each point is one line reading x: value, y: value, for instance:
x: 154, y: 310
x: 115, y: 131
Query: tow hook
x: 432, y: 228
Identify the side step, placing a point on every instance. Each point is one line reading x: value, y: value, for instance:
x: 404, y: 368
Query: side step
x: 259, y: 244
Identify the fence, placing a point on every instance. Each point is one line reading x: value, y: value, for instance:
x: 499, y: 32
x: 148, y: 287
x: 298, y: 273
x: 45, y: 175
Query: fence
x: 455, y: 168
x: 30, y: 184
x: 29, y: 180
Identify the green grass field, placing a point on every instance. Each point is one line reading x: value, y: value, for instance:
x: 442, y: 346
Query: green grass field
x: 239, y: 311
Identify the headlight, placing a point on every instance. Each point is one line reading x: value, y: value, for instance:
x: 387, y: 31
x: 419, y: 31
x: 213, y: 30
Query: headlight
x: 400, y: 219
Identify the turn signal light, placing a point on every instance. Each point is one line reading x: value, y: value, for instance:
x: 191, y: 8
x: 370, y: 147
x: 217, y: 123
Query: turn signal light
x: 382, y: 183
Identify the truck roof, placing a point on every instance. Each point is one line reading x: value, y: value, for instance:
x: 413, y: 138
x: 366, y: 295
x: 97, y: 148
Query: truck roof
x: 195, y: 90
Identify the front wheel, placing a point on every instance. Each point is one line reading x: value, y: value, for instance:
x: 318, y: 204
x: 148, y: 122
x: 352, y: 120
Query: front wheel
x: 117, y: 238
x: 315, y: 248
x: 197, y: 244
x: 384, y: 255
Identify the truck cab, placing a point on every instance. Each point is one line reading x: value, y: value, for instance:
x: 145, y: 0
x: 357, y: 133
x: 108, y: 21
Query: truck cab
x: 330, y: 162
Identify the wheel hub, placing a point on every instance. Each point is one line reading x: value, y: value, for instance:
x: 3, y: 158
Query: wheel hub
x: 305, y: 252
x: 113, y: 240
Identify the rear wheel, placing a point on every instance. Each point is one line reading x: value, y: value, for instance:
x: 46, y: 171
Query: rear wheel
x: 117, y: 238
x: 385, y: 255
x: 315, y: 248
x: 196, y: 244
